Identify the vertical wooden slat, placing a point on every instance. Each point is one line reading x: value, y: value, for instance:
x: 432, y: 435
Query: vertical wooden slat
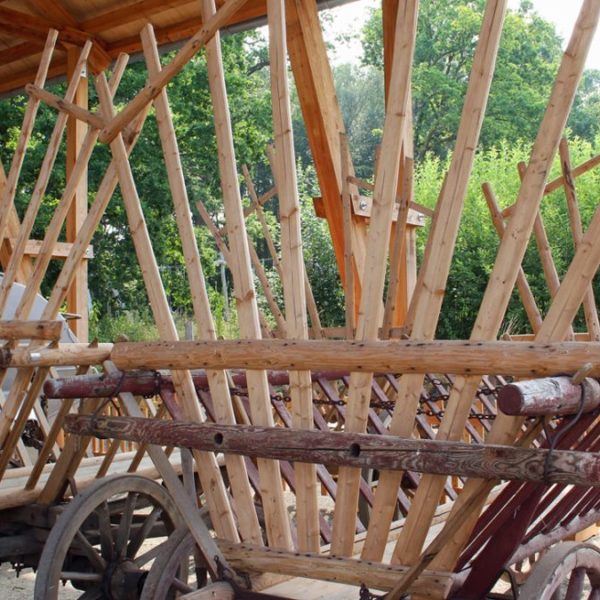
x: 208, y: 469
x: 236, y: 469
x: 371, y: 305
x: 77, y: 301
x: 431, y: 285
x: 292, y: 259
x: 271, y: 486
x: 512, y: 249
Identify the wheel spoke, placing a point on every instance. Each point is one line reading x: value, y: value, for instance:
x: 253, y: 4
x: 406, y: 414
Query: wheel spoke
x: 76, y: 576
x: 104, y: 528
x: 182, y: 586
x: 90, y: 552
x: 125, y: 525
x: 594, y: 594
x: 143, y: 532
x: 576, y: 582
x: 145, y: 558
x: 93, y: 594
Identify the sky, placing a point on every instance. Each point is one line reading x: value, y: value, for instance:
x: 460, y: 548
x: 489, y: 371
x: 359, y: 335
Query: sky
x: 350, y: 18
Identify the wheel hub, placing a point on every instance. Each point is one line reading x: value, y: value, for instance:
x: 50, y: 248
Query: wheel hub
x: 123, y: 580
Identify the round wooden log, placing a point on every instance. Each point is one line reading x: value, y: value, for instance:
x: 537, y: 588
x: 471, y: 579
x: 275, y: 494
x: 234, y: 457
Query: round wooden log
x: 442, y: 356
x: 352, y: 449
x: 549, y: 396
x: 143, y: 383
x: 63, y: 355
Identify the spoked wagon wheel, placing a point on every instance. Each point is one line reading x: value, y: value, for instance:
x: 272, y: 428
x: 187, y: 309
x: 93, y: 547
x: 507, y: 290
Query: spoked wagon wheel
x: 101, y: 541
x: 568, y: 571
x: 178, y: 569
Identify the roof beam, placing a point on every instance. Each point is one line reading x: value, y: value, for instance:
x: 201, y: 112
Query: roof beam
x: 29, y: 26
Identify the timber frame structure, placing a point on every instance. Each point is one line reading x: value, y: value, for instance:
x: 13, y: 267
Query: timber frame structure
x: 444, y: 463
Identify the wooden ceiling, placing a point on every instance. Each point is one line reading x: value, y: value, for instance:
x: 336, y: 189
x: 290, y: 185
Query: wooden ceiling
x: 112, y: 25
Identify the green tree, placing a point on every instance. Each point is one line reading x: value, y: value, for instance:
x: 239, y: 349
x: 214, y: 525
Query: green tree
x: 528, y: 58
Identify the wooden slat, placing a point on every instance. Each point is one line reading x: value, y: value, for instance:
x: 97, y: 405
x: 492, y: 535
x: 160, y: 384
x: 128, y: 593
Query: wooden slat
x: 429, y: 295
x: 238, y: 477
x: 277, y: 522
x: 292, y: 260
x: 208, y: 469
x: 373, y: 280
x: 511, y: 252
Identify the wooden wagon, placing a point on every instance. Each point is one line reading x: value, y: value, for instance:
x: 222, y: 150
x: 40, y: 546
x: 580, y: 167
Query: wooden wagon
x: 378, y: 461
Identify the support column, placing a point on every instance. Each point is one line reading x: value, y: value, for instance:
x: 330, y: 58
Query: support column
x: 77, y: 298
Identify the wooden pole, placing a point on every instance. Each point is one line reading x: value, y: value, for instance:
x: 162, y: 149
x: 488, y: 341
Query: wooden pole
x: 348, y: 254
x: 431, y: 284
x: 217, y: 379
x: 271, y: 490
x: 208, y: 469
x: 361, y: 450
x: 559, y: 318
x: 10, y: 187
x: 158, y: 82
x: 589, y: 302
x: 527, y: 298
x: 292, y: 260
x: 399, y: 356
x: 371, y: 306
x: 77, y: 299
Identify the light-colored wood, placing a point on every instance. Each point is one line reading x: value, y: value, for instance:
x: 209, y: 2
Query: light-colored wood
x: 160, y: 80
x: 324, y: 123
x: 64, y: 355
x: 10, y: 187
x: 292, y: 261
x: 327, y: 568
x: 238, y: 476
x: 371, y: 305
x: 398, y: 356
x: 527, y: 298
x: 208, y: 469
x: 68, y: 106
x: 277, y: 522
x: 215, y: 591
x: 432, y: 282
x: 561, y: 313
x: 39, y: 330
x: 33, y: 284
x: 348, y: 254
x: 77, y: 299
x: 589, y: 301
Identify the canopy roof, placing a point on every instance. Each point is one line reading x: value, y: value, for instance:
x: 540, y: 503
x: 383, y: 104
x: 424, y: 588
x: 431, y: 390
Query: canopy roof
x: 112, y: 25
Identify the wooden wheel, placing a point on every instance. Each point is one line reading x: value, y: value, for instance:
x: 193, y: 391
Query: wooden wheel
x: 568, y: 571
x: 101, y: 541
x: 178, y: 569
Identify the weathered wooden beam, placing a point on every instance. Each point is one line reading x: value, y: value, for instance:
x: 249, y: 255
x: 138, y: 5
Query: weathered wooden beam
x: 310, y: 565
x: 549, y: 396
x: 160, y: 80
x: 39, y: 330
x: 403, y: 356
x: 359, y: 450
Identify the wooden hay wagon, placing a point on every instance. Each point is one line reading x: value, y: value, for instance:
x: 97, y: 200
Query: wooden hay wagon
x: 381, y: 463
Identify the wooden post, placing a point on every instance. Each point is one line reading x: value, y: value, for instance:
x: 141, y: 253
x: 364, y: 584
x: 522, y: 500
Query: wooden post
x: 371, y: 306
x: 511, y: 252
x: 10, y: 187
x: 324, y: 123
x: 292, y: 260
x: 277, y: 521
x: 208, y: 468
x: 238, y: 476
x: 77, y: 299
x: 433, y: 276
x: 351, y: 306
x: 589, y: 302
